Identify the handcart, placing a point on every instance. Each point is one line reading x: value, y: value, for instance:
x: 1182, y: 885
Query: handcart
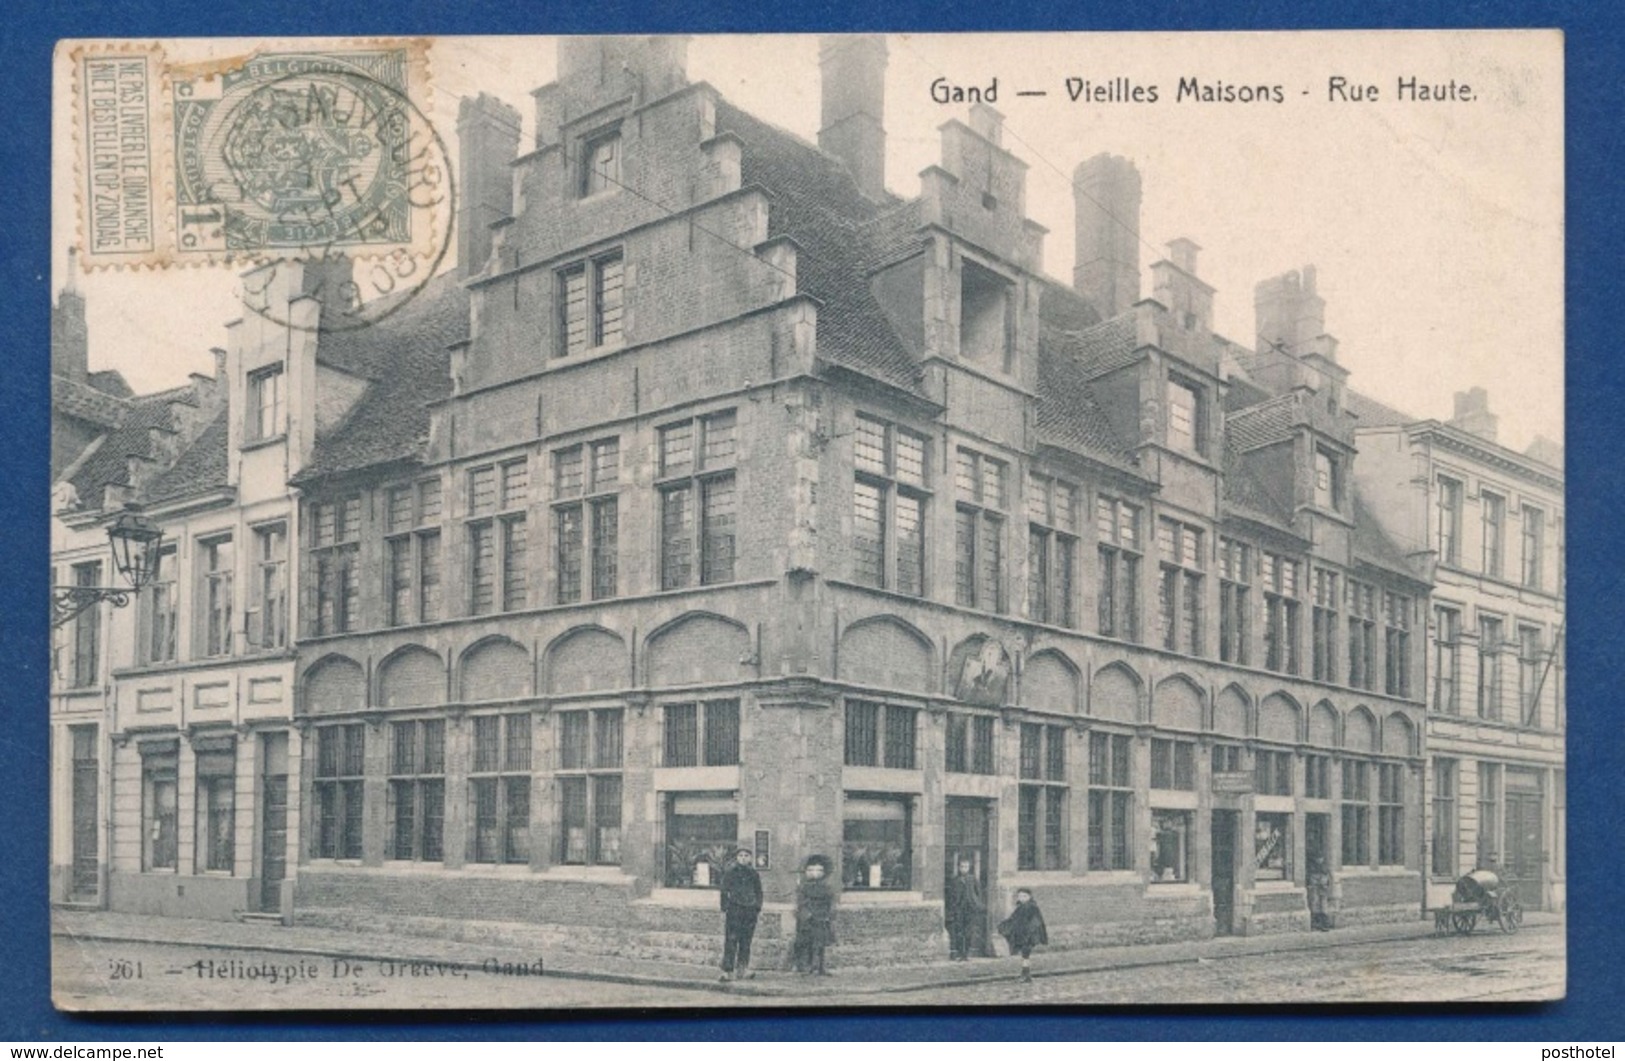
x: 1480, y: 893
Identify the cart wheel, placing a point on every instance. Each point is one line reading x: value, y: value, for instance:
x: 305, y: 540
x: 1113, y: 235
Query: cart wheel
x: 1511, y: 914
x: 1463, y: 922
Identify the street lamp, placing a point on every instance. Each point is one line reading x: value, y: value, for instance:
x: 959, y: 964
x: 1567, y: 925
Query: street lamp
x: 135, y: 541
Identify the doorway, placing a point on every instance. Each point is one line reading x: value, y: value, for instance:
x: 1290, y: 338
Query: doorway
x: 967, y: 828
x: 1524, y: 837
x: 83, y: 883
x: 273, y: 820
x: 1224, y: 872
x: 1316, y: 842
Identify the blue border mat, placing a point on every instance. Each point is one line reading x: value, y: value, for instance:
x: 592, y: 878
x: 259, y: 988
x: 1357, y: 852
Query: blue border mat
x: 1596, y: 485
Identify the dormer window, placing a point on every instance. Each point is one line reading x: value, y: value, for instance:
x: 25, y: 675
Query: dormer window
x: 600, y: 164
x: 1187, y: 417
x: 986, y: 322
x: 264, y: 405
x: 1328, y: 480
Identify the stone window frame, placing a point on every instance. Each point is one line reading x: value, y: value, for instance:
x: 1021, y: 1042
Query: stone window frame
x: 1181, y: 559
x: 339, y: 792
x: 1120, y: 550
x: 1053, y: 507
x: 599, y: 767
x: 414, y: 770
x: 1283, y: 611
x: 265, y: 418
x: 502, y: 521
x: 334, y: 555
x: 502, y: 782
x: 598, y: 283
x: 590, y: 500
x: 1235, y: 568
x: 1112, y: 798
x: 407, y: 541
x: 1042, y: 797
x: 981, y: 555
x: 893, y: 483
x: 708, y: 469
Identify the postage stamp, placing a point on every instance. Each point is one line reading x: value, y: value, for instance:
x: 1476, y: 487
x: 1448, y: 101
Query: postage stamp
x: 294, y: 151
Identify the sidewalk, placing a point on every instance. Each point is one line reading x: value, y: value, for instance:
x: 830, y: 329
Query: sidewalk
x: 71, y: 926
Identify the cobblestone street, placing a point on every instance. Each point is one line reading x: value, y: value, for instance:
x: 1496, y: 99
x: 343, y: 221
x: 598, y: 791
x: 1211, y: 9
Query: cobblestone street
x: 246, y: 971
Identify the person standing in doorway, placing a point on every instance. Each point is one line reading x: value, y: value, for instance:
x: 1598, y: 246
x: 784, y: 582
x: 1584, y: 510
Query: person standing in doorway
x: 815, y: 916
x: 1024, y: 930
x: 965, y: 910
x: 741, y: 906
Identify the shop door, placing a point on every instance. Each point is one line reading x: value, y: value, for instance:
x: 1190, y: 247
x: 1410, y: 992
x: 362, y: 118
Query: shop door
x: 1224, y: 871
x: 967, y: 828
x: 85, y: 790
x: 273, y: 822
x: 1525, y: 853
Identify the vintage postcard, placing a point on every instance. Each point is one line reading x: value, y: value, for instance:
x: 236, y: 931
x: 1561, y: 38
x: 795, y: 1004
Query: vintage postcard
x: 766, y: 521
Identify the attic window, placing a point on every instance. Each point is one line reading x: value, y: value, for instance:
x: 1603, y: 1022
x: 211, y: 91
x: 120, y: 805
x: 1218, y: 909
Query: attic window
x: 1328, y: 480
x: 600, y: 163
x: 1187, y: 417
x: 986, y: 321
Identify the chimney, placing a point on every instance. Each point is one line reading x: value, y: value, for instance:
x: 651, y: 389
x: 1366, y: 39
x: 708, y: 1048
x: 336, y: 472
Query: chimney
x: 853, y: 87
x: 1473, y: 414
x: 1106, y: 215
x: 70, y: 337
x: 1175, y: 284
x: 1287, y: 312
x: 487, y: 143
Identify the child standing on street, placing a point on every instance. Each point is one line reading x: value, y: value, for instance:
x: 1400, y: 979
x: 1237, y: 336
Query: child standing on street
x: 1024, y: 930
x: 815, y: 917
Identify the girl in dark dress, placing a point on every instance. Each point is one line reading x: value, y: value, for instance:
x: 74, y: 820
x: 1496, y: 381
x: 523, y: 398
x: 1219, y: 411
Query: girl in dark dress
x: 1024, y: 930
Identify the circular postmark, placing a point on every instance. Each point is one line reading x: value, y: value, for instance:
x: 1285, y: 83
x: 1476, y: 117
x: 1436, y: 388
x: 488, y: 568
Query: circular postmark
x: 324, y: 162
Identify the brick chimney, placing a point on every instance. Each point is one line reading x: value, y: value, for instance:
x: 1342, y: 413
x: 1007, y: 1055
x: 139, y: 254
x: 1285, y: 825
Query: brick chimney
x: 853, y: 88
x: 1106, y: 216
x: 1175, y: 284
x: 1473, y: 414
x: 70, y: 338
x: 487, y: 143
x: 1287, y: 312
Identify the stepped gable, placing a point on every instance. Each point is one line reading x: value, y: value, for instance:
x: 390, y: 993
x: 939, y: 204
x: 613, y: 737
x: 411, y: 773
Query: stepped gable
x: 109, y: 463
x: 406, y: 358
x: 816, y: 203
x: 200, y: 468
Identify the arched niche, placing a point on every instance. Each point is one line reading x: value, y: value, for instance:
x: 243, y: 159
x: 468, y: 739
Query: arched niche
x: 1398, y: 736
x: 979, y: 668
x: 411, y: 677
x: 496, y: 668
x: 1176, y: 703
x: 587, y: 659
x: 695, y: 648
x: 1279, y: 719
x: 1323, y: 725
x: 333, y: 684
x: 886, y: 651
x: 1049, y: 682
x: 1360, y: 731
x: 1114, y: 694
x: 1230, y: 712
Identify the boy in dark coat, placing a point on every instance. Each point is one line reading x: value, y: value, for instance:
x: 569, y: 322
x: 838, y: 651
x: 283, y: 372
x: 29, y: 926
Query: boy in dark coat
x: 815, y: 917
x: 1024, y: 930
x: 741, y: 906
x: 965, y: 910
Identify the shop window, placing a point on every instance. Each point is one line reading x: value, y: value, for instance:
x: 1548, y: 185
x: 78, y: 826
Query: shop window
x: 876, y: 842
x: 1117, y: 527
x: 1041, y: 812
x: 591, y: 753
x: 888, y: 507
x: 702, y: 734
x: 702, y: 831
x: 969, y: 740
x: 160, y: 832
x: 339, y: 788
x: 697, y: 459
x: 417, y: 790
x: 1170, y: 846
x: 1173, y: 765
x: 1272, y: 847
x: 1111, y: 801
x: 216, y: 806
x: 499, y: 789
x: 880, y: 735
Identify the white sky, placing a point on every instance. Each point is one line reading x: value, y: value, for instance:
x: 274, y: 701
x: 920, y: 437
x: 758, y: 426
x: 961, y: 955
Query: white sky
x: 1436, y: 229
